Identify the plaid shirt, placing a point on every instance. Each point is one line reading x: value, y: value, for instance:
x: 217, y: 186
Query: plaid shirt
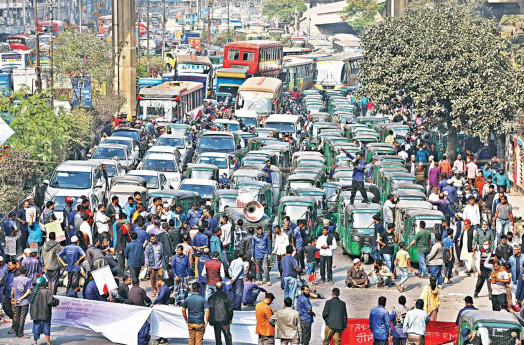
x: 240, y: 234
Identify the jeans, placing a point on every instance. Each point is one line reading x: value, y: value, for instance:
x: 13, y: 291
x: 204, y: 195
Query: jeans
x: 449, y: 269
x: 52, y: 277
x: 134, y: 272
x: 388, y: 260
x: 19, y: 321
x: 403, y: 276
x: 300, y: 258
x: 422, y: 270
x: 502, y: 226
x: 290, y: 289
x: 7, y: 306
x: 238, y: 290
x: 262, y: 265
x: 279, y: 263
x: 436, y: 271
x: 226, y: 329
x: 210, y: 290
x: 326, y: 261
x: 360, y: 186
x: 306, y: 332
x: 72, y: 277
x: 121, y: 265
x: 196, y: 333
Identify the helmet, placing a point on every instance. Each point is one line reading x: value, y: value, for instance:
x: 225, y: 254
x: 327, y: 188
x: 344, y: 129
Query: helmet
x: 69, y: 199
x: 516, y: 307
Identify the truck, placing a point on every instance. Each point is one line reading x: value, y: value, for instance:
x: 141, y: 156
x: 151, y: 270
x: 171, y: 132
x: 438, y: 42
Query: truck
x: 190, y: 34
x: 6, y: 84
x: 26, y: 77
x: 228, y: 81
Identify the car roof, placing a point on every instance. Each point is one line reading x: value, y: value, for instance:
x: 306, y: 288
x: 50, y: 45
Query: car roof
x: 217, y: 133
x: 161, y: 156
x: 198, y: 181
x: 247, y: 172
x: 282, y: 118
x: 143, y: 173
x: 78, y: 165
x: 111, y: 146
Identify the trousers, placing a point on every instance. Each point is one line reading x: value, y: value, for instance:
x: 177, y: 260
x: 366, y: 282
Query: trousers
x: 196, y: 333
x: 226, y: 330
x: 52, y: 277
x: 306, y: 332
x: 332, y: 333
x: 326, y: 262
x: 360, y: 186
x: 19, y: 321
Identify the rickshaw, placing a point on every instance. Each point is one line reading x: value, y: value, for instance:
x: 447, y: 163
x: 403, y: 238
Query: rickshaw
x: 366, y: 138
x: 411, y: 195
x: 353, y: 132
x: 343, y: 117
x: 371, y: 121
x: 261, y: 191
x: 264, y: 132
x: 390, y: 158
x: 385, y: 164
x: 351, y: 126
x: 396, y: 187
x: 493, y: 327
x: 250, y: 161
x: 223, y: 198
x: 358, y: 229
x: 264, y: 155
x: 300, y: 207
x: 404, y: 205
x: 312, y: 154
x: 412, y: 219
x: 283, y: 153
x: 344, y: 199
x: 377, y: 151
x: 303, y: 181
x: 332, y: 191
x: 257, y: 142
x: 277, y: 179
x: 124, y: 191
x: 202, y: 171
x: 318, y: 194
x: 310, y: 161
x: 178, y: 197
x: 328, y: 142
x: 399, y: 130
x: 234, y: 214
x: 379, y: 180
x: 371, y: 189
x: 335, y: 154
x: 244, y: 174
x: 393, y: 176
x: 312, y: 170
x: 321, y: 117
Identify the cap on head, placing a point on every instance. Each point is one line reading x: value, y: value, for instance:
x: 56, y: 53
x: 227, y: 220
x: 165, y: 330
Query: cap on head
x: 467, y: 221
x: 74, y: 239
x: 27, y: 251
x: 356, y: 261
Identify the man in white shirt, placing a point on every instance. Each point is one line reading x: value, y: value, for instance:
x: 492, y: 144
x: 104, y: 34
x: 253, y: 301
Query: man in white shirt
x: 459, y: 164
x: 388, y: 208
x: 85, y: 228
x: 326, y: 243
x: 472, y: 212
x: 225, y: 238
x: 435, y: 195
x: 415, y: 323
x: 101, y: 220
x: 279, y: 246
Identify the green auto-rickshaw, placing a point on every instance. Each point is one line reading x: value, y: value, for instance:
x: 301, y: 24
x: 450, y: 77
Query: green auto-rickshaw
x: 492, y: 327
x: 412, y: 219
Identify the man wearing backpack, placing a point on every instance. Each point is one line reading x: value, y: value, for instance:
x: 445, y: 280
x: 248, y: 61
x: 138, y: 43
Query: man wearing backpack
x: 397, y: 315
x: 326, y: 243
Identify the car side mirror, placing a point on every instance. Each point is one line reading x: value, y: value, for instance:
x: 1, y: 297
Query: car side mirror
x: 89, y: 155
x: 98, y: 185
x: 45, y: 182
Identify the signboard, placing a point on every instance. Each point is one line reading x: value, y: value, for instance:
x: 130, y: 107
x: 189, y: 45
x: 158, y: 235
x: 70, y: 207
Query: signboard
x: 5, y: 131
x: 56, y: 227
x: 61, y: 81
x: 10, y: 245
x: 192, y: 68
x: 104, y: 280
x: 82, y: 94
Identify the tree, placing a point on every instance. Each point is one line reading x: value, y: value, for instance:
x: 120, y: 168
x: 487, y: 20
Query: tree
x: 359, y: 14
x: 284, y: 11
x: 83, y: 54
x: 449, y: 62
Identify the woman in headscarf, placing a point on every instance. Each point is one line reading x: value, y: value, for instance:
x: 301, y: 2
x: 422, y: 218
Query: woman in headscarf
x: 431, y: 297
x: 42, y: 303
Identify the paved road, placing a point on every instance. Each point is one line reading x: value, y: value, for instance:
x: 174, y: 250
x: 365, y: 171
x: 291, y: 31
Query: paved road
x: 359, y: 301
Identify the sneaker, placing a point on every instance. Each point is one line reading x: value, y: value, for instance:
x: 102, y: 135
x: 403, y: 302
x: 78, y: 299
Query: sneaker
x: 321, y: 281
x: 269, y: 283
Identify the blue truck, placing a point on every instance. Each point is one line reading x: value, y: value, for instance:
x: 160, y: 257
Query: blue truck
x: 228, y: 81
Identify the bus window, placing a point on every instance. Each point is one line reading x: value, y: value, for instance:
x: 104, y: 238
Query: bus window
x: 248, y: 56
x: 233, y: 54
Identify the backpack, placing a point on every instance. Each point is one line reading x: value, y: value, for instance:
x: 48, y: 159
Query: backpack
x: 400, y: 315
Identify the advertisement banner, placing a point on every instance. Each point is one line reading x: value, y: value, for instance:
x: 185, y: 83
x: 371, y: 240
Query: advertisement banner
x: 437, y: 333
x: 168, y: 322
x: 82, y: 94
x: 94, y: 315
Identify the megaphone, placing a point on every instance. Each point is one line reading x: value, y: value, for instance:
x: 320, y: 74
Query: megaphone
x: 254, y: 211
x: 244, y: 197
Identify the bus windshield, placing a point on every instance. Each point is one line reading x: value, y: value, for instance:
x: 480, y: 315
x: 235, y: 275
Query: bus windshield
x: 283, y: 127
x: 218, y: 143
x: 232, y: 90
x: 261, y: 102
x: 71, y: 179
x: 329, y: 72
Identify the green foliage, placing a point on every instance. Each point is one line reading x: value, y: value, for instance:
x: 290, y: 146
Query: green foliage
x: 359, y: 14
x: 285, y: 39
x: 83, y: 54
x: 449, y: 62
x: 284, y: 11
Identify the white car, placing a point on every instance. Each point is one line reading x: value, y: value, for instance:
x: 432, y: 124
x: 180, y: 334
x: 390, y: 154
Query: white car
x: 204, y: 188
x: 184, y: 49
x: 221, y: 160
x: 182, y: 143
x: 166, y: 163
x: 155, y: 181
x: 135, y: 149
x: 115, y: 151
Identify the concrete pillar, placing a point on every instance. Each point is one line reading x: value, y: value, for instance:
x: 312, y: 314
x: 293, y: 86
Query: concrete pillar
x: 126, y: 57
x: 396, y: 8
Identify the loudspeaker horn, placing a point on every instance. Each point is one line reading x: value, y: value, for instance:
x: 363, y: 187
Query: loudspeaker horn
x: 254, y: 211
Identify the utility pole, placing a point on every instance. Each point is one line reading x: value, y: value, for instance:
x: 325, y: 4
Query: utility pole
x: 24, y: 14
x: 147, y: 34
x: 227, y: 20
x: 127, y: 53
x: 51, y: 81
x: 209, y: 23
x: 37, y: 69
x: 296, y: 20
x: 114, y: 44
x: 163, y: 27
x: 139, y: 19
x: 79, y: 15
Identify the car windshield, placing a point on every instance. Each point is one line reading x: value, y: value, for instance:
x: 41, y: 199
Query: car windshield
x: 110, y: 170
x: 229, y: 202
x: 59, y: 203
x: 283, y: 127
x: 219, y: 162
x: 109, y: 153
x: 151, y: 181
x: 202, y: 174
x: 173, y: 142
x: 296, y: 212
x: 217, y: 143
x: 71, y: 179
x: 178, y: 130
x: 248, y: 121
x: 363, y: 220
x: 127, y: 134
x: 234, y: 127
x: 159, y: 165
x: 119, y: 142
x: 331, y: 193
x: 300, y: 184
x: 204, y: 191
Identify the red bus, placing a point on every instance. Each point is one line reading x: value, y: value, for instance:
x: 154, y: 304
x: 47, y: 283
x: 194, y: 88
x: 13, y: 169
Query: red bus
x: 45, y: 26
x: 21, y: 42
x: 264, y: 58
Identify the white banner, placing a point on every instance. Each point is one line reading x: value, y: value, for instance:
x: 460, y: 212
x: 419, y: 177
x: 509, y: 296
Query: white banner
x: 104, y: 278
x: 120, y: 323
x: 168, y: 322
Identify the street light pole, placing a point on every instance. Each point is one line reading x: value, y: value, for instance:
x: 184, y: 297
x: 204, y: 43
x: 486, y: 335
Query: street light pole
x: 163, y: 27
x: 147, y: 33
x: 79, y: 15
x: 209, y: 23
x: 227, y: 19
x: 37, y: 69
x: 51, y: 81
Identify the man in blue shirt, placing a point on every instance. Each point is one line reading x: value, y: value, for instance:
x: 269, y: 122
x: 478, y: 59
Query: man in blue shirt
x: 358, y: 177
x: 92, y: 293
x: 379, y: 322
x: 7, y: 306
x: 469, y: 306
x: 212, y: 221
x: 201, y: 263
x: 267, y: 171
x: 215, y: 244
x: 305, y: 310
x: 140, y: 232
x: 236, y: 272
x: 259, y: 254
x: 163, y: 291
x: 134, y: 254
x: 73, y: 255
x: 196, y: 313
x: 298, y: 241
x: 289, y: 273
x: 181, y: 271
x: 236, y: 163
x: 364, y: 105
x: 178, y: 216
x: 193, y: 216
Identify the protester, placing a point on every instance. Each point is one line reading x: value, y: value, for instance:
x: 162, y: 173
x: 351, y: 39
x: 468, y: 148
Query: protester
x: 73, y: 256
x: 279, y: 246
x: 335, y: 316
x: 415, y: 324
x: 154, y: 261
x: 287, y: 324
x: 214, y: 272
x: 498, y: 280
x: 221, y: 314
x: 305, y: 310
x: 356, y: 276
x: 20, y: 292
x: 195, y: 311
x: 264, y: 328
x: 181, y: 271
x: 50, y: 262
x: 484, y: 272
x: 42, y: 303
x: 379, y: 323
x: 468, y: 300
x: 260, y: 250
x: 289, y: 274
x: 422, y: 243
x: 431, y: 297
x: 397, y: 316
x: 436, y: 258
x: 236, y: 272
x: 403, y: 262
x: 326, y: 244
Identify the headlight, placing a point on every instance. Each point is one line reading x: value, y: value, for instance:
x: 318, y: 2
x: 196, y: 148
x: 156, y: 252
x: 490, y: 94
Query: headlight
x: 356, y: 238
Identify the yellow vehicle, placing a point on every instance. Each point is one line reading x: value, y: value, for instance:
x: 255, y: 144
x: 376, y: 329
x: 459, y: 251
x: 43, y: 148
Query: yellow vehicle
x: 170, y: 60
